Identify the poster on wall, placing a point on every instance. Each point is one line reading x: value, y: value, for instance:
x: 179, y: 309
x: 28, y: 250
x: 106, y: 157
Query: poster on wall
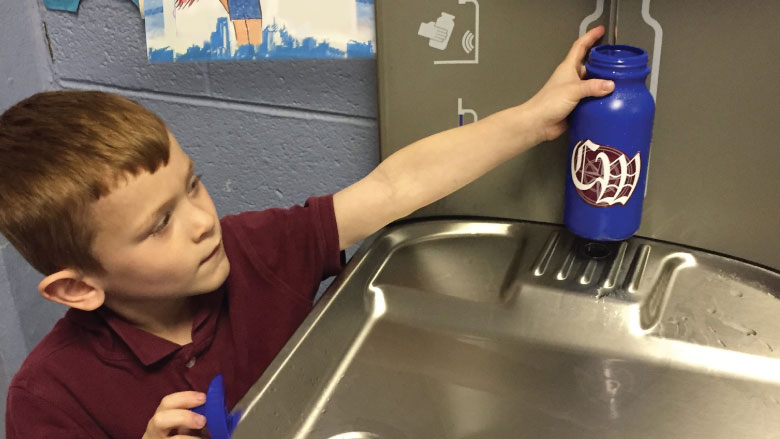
x: 225, y: 30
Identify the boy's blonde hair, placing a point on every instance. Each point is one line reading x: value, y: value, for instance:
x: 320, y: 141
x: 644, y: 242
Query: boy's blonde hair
x: 59, y: 153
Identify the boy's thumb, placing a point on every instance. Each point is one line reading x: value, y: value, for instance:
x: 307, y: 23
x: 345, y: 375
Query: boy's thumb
x: 607, y: 86
x: 602, y: 87
x: 595, y: 87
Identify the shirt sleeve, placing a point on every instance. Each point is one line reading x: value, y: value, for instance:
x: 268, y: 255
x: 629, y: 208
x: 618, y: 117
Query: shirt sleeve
x: 28, y: 416
x: 299, y: 246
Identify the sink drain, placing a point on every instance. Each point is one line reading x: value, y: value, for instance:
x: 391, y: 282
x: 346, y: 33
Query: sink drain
x: 595, y: 250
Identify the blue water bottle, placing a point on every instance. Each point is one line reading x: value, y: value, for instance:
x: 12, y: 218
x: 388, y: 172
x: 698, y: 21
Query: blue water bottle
x: 610, y: 147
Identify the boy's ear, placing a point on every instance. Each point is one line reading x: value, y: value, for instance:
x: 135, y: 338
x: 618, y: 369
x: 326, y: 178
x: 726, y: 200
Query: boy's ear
x: 71, y: 288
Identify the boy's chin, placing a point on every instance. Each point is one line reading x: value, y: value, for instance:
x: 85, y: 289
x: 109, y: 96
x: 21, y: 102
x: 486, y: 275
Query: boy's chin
x: 216, y: 281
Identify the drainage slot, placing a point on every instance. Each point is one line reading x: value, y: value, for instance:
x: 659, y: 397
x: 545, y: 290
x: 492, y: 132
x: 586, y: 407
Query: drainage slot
x: 595, y: 249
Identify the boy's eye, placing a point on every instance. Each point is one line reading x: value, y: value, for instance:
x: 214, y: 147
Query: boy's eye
x: 194, y: 183
x: 162, y: 224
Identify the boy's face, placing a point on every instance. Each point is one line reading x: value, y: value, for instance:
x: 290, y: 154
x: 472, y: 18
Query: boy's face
x: 158, y: 235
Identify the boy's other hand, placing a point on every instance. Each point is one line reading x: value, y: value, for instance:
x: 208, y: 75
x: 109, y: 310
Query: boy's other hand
x: 553, y: 103
x: 173, y: 419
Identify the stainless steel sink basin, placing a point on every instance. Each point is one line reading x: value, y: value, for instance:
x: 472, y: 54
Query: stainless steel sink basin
x: 478, y: 329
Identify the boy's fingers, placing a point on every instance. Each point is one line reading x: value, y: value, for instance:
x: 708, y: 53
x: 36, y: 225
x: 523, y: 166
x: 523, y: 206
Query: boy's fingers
x: 593, y: 87
x: 581, y: 46
x: 168, y: 420
x: 182, y: 400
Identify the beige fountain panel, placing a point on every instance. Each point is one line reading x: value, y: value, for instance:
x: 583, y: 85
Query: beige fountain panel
x: 713, y: 175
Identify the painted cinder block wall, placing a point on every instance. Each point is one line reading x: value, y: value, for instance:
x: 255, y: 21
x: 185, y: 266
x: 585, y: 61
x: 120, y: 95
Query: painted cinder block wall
x: 263, y: 134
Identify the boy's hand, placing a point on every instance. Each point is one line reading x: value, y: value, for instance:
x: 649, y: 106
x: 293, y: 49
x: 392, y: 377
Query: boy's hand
x: 173, y: 419
x: 553, y: 103
x: 438, y: 165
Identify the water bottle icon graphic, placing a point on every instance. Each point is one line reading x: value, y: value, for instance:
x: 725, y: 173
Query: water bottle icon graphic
x: 446, y: 22
x: 439, y: 32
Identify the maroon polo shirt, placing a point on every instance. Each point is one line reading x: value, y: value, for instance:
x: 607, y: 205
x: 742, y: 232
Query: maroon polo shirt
x: 96, y: 376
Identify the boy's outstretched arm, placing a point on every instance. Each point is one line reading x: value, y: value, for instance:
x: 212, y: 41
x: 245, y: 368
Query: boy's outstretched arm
x: 436, y: 166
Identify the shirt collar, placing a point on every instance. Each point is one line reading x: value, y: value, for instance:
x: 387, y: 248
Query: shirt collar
x: 149, y: 348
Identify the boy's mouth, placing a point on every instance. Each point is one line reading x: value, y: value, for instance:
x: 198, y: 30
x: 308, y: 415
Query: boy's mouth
x: 213, y: 252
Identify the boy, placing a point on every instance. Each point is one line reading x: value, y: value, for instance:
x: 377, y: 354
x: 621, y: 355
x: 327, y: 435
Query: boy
x: 98, y: 195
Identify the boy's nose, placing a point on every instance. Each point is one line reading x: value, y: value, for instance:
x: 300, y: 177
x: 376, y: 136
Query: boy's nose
x: 203, y: 223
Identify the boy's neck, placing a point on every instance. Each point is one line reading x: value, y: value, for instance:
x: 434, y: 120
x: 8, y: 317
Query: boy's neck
x: 170, y: 319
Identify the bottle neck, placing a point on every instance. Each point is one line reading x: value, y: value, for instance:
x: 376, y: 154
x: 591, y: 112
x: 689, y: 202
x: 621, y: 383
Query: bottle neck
x: 619, y: 79
x: 618, y: 62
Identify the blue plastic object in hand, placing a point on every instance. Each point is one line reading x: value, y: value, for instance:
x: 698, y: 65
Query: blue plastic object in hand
x: 220, y: 422
x: 610, y: 148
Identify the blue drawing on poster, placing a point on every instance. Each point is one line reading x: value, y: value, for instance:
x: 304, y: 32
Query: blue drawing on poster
x: 206, y: 30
